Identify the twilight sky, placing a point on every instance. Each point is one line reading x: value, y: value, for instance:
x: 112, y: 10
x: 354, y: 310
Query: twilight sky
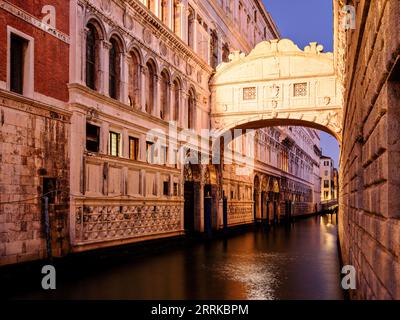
x: 305, y: 21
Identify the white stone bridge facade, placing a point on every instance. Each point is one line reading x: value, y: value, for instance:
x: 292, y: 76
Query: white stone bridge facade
x: 277, y: 84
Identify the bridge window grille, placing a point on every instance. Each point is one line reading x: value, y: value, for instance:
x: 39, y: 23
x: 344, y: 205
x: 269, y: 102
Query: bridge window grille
x: 300, y: 89
x: 249, y: 93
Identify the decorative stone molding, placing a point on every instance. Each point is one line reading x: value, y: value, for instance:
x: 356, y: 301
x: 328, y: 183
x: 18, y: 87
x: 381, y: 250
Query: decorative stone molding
x: 100, y: 223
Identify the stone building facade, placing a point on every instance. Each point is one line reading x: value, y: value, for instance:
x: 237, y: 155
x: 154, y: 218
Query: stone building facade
x: 327, y: 179
x: 34, y: 127
x: 368, y: 62
x: 128, y: 103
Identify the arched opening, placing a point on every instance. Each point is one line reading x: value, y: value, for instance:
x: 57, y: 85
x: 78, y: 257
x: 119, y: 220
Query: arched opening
x: 164, y: 95
x: 150, y: 86
x: 191, y: 109
x: 177, y: 100
x: 134, y: 80
x: 92, y: 56
x: 114, y: 68
x: 287, y: 166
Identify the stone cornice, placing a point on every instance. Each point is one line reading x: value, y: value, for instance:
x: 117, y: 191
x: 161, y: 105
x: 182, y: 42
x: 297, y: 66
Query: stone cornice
x: 18, y: 102
x: 156, y: 26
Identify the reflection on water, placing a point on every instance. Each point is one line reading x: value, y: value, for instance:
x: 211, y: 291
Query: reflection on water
x: 293, y: 262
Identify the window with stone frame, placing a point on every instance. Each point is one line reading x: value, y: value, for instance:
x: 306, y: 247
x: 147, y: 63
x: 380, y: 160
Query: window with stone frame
x: 115, y: 144
x: 133, y: 148
x: 92, y: 137
x: 17, y: 55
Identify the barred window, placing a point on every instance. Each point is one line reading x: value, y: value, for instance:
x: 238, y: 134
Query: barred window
x: 249, y: 93
x: 300, y: 89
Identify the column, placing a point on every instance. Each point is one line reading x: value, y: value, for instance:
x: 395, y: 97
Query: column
x: 104, y: 129
x: 168, y: 115
x: 124, y: 89
x: 172, y: 103
x: 201, y: 206
x: 170, y: 19
x: 157, y: 8
x: 143, y: 88
x: 195, y: 27
x: 104, y: 67
x: 183, y: 109
x: 82, y: 75
x: 156, y: 100
x: 184, y: 20
x: 78, y: 46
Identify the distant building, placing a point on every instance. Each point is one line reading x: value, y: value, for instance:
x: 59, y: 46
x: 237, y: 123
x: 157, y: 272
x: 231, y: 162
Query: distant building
x: 327, y: 169
x: 335, y: 183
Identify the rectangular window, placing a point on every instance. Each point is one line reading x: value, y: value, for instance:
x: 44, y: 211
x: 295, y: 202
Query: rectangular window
x: 166, y: 188
x: 115, y: 141
x: 175, y: 189
x: 164, y: 155
x: 133, y: 148
x: 92, y: 137
x: 17, y: 63
x: 326, y: 184
x: 150, y: 152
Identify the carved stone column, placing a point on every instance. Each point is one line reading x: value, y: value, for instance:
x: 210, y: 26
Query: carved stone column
x: 156, y: 95
x: 183, y: 109
x: 124, y: 89
x: 143, y: 88
x: 104, y: 68
x: 172, y: 103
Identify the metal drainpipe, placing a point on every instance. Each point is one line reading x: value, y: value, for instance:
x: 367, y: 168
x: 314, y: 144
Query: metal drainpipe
x: 47, y: 228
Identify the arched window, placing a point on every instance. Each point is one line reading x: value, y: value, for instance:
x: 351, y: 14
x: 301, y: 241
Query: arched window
x: 164, y: 95
x: 114, y: 71
x: 191, y: 109
x: 134, y: 81
x: 92, y: 57
x: 177, y: 99
x: 150, y: 87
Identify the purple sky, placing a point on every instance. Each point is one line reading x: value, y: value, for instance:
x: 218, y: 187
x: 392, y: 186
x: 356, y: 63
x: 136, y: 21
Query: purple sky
x: 305, y: 21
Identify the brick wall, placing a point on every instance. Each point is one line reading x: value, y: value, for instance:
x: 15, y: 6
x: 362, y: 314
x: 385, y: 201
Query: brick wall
x: 369, y: 222
x: 51, y: 54
x: 33, y: 146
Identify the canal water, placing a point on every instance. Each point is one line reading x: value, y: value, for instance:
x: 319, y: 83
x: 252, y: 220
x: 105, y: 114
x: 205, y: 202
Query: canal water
x: 299, y: 261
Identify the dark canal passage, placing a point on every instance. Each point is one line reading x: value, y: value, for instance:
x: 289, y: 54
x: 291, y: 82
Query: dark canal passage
x: 299, y: 261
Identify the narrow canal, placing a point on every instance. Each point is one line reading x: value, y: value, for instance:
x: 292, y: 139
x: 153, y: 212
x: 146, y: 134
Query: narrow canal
x: 299, y: 261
